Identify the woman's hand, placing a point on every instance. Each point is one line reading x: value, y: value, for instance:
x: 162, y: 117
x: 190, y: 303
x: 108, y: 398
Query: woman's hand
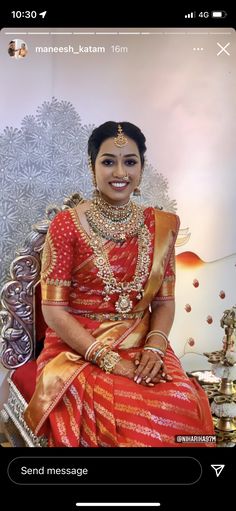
x: 127, y: 368
x: 150, y: 368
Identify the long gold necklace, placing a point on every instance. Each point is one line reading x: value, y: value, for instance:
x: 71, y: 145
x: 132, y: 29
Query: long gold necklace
x: 124, y: 304
x: 114, y: 222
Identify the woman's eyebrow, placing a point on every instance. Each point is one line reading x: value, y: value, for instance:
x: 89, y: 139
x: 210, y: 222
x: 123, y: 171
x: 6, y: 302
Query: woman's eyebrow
x: 114, y: 155
x: 108, y: 154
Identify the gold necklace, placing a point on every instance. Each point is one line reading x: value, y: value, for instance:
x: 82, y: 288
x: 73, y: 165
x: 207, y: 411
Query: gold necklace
x: 124, y: 304
x: 114, y: 213
x: 114, y: 222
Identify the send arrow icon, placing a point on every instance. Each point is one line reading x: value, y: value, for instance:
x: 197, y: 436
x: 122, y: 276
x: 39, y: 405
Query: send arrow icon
x: 218, y: 469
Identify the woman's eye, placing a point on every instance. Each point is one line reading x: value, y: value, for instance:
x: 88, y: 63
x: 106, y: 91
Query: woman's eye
x: 107, y: 162
x: 130, y: 163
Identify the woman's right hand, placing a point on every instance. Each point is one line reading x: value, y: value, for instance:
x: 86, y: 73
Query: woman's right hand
x: 125, y: 368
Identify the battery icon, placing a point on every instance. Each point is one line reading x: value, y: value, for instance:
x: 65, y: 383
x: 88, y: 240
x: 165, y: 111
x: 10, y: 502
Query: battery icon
x: 218, y: 14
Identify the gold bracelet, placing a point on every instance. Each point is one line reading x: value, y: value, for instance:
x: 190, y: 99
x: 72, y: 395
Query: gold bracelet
x: 109, y: 361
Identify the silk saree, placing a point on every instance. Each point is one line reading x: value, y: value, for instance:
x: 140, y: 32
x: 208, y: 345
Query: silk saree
x: 77, y: 404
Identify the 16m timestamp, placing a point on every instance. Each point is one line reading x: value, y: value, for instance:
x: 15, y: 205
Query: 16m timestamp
x: 119, y: 49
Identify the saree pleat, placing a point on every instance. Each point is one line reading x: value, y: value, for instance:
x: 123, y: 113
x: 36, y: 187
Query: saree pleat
x: 104, y: 410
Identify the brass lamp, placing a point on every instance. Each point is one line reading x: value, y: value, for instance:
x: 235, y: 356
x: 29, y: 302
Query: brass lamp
x: 223, y: 395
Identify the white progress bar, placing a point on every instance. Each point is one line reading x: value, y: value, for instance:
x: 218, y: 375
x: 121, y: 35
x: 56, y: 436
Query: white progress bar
x: 118, y: 504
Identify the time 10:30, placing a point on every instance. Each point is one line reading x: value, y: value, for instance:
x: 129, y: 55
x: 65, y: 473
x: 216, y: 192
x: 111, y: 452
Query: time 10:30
x: 24, y: 14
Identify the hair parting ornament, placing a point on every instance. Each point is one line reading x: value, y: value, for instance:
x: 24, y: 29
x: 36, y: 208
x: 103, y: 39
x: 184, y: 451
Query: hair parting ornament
x: 120, y: 140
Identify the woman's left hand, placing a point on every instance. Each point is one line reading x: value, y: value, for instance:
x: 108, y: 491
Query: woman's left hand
x: 150, y: 368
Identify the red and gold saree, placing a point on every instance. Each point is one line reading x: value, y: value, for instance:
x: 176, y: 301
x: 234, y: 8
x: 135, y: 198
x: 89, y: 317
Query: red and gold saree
x: 75, y: 403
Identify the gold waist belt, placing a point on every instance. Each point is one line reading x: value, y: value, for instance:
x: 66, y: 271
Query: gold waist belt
x: 110, y: 316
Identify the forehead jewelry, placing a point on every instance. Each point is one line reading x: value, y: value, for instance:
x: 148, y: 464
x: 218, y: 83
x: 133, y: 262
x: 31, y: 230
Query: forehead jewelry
x: 120, y: 140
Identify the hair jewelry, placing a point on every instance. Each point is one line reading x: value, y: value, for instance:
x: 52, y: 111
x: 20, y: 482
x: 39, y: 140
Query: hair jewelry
x: 120, y: 140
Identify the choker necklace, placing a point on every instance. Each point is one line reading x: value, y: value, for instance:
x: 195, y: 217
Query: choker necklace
x: 114, y: 213
x: 114, y: 223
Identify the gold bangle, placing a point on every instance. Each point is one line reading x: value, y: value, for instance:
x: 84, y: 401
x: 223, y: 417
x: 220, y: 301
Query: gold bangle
x: 157, y: 332
x: 165, y: 346
x: 90, y: 349
x: 155, y: 350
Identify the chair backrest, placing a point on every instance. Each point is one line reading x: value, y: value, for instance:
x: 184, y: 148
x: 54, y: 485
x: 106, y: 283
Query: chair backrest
x: 23, y: 325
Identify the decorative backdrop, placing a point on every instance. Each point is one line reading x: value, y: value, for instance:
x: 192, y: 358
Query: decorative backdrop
x: 45, y: 161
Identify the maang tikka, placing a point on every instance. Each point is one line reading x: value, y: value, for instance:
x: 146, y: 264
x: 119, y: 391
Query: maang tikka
x: 120, y: 140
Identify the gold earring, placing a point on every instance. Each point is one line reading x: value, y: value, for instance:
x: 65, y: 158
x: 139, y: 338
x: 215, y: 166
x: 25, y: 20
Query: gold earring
x: 137, y: 192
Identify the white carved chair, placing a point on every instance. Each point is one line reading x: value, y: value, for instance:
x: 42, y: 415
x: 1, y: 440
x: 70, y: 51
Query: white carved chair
x: 23, y: 329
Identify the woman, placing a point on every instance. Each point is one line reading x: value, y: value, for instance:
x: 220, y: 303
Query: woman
x: 107, y: 375
x: 22, y: 51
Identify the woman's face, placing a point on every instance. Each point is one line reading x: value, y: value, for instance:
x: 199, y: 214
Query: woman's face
x: 112, y: 165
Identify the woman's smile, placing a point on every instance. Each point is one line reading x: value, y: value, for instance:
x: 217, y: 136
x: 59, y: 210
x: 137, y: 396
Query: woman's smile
x: 119, y: 186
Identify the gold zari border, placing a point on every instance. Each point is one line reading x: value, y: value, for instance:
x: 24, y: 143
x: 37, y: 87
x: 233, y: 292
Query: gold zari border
x: 54, y: 293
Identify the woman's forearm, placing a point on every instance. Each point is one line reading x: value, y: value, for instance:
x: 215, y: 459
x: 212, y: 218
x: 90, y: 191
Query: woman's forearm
x: 79, y: 339
x: 162, y: 318
x: 67, y: 328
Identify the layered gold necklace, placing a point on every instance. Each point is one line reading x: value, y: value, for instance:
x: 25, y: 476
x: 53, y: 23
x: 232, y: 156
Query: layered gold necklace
x: 127, y: 220
x: 114, y: 223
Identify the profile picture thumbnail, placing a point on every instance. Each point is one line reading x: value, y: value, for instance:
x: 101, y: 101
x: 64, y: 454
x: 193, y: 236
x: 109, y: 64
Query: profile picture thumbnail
x: 17, y: 48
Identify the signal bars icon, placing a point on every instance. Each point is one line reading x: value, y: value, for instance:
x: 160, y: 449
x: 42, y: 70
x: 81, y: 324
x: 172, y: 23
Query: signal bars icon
x: 190, y: 15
